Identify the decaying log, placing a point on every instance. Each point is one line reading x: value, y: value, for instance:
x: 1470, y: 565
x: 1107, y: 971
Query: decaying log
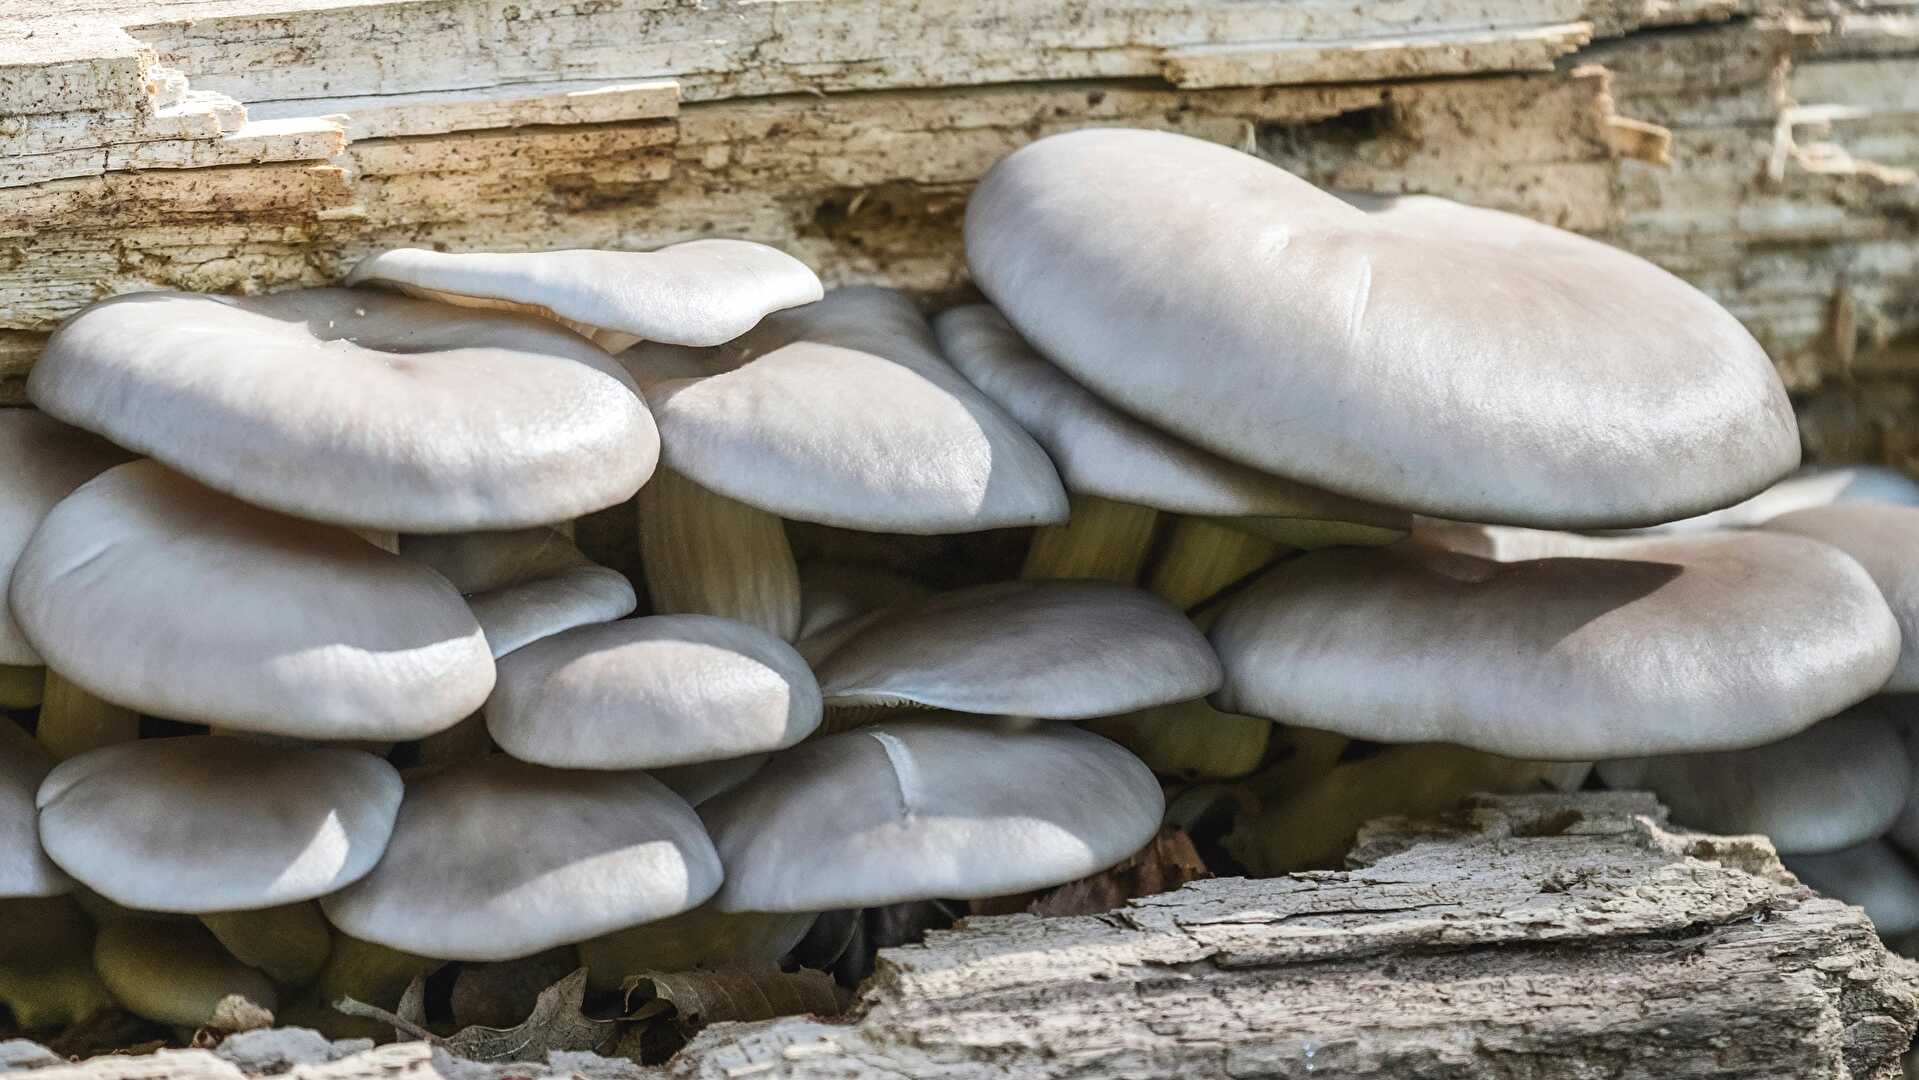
x: 1527, y: 936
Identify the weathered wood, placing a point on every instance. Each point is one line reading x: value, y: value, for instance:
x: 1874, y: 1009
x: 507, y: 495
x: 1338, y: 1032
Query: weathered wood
x: 1525, y: 937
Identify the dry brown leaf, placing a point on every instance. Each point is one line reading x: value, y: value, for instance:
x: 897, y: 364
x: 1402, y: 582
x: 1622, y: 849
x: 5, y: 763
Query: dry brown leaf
x: 557, y: 1023
x: 706, y: 997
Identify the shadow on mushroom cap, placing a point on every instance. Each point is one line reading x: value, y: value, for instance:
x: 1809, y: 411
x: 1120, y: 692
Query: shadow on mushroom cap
x: 25, y: 869
x: 525, y: 584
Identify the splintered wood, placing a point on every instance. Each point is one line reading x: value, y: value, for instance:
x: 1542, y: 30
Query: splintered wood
x: 1767, y: 155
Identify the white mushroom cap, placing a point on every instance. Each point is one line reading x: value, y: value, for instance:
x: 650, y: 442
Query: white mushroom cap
x: 652, y: 692
x: 700, y: 292
x: 204, y: 823
x: 1885, y: 540
x: 1838, y: 783
x: 1873, y: 876
x: 357, y: 408
x: 1102, y: 451
x: 928, y: 809
x: 1458, y: 362
x: 525, y: 584
x: 494, y: 859
x: 1062, y: 649
x: 1662, y: 645
x: 1813, y: 485
x: 25, y: 869
x: 45, y: 460
x: 845, y: 413
x: 161, y: 595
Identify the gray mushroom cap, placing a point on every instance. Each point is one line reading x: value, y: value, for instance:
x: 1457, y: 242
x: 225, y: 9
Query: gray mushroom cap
x: 1061, y: 649
x: 845, y: 413
x: 25, y: 869
x: 1102, y: 451
x: 1840, y: 782
x: 700, y: 292
x: 525, y: 584
x: 926, y: 809
x: 652, y: 692
x: 1885, y: 540
x: 357, y: 408
x: 1812, y: 485
x: 460, y: 882
x: 1458, y: 362
x: 45, y: 460
x: 1872, y: 876
x: 159, y: 594
x: 204, y: 823
x: 1658, y: 646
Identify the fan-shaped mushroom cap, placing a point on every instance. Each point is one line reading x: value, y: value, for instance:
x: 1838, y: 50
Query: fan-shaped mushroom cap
x: 912, y: 811
x: 494, y: 859
x: 1873, y: 876
x: 1061, y: 649
x: 700, y: 292
x: 1658, y: 646
x: 1813, y: 485
x: 205, y: 823
x: 1102, y: 451
x: 845, y: 413
x: 698, y: 783
x: 25, y: 869
x: 357, y: 408
x: 1838, y: 783
x: 45, y: 460
x: 1458, y: 362
x: 652, y: 692
x: 525, y: 584
x: 161, y: 595
x: 1885, y: 540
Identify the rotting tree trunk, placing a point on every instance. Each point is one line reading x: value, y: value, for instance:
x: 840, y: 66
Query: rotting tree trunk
x: 1527, y: 936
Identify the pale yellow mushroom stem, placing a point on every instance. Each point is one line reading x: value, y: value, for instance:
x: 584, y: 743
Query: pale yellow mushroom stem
x: 707, y: 554
x: 1203, y: 558
x: 1103, y: 540
x: 47, y: 979
x: 22, y: 687
x: 700, y: 938
x: 173, y: 972
x: 290, y: 943
x: 73, y: 720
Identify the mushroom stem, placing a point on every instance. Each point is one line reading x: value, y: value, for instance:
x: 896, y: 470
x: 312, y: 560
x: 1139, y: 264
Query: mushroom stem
x: 1314, y: 827
x: 22, y: 687
x: 1102, y: 539
x: 369, y: 973
x: 47, y: 979
x: 73, y: 720
x: 1189, y: 740
x: 173, y: 972
x: 1311, y: 534
x: 1202, y: 558
x: 700, y: 938
x: 290, y: 943
x: 710, y: 555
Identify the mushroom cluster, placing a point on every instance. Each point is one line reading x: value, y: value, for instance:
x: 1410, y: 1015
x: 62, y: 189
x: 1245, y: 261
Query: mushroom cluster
x: 317, y: 692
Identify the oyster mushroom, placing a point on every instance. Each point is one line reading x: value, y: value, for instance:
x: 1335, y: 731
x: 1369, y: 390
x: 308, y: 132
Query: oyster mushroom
x: 842, y: 413
x: 1453, y: 361
x: 1885, y: 540
x: 699, y: 292
x: 153, y: 591
x: 524, y: 584
x: 1872, y: 876
x: 25, y: 870
x: 357, y: 408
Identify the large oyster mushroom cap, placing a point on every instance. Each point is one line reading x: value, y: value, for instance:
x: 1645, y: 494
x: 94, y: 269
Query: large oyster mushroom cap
x: 1458, y: 362
x: 1885, y: 540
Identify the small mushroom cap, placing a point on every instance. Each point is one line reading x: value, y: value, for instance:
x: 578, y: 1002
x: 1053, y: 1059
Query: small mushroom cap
x: 1659, y: 646
x: 357, y: 408
x: 161, y: 595
x: 701, y: 292
x: 845, y: 413
x: 204, y: 823
x: 1812, y: 485
x: 1838, y: 783
x: 25, y: 869
x: 45, y: 460
x: 525, y: 584
x: 652, y: 692
x: 1459, y: 362
x: 913, y: 811
x: 1061, y: 649
x: 1102, y: 451
x: 1885, y: 540
x: 1872, y: 876
x: 494, y: 859
x: 698, y: 783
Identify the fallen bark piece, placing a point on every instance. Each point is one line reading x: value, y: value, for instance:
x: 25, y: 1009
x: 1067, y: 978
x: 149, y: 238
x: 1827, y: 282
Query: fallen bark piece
x: 1526, y: 937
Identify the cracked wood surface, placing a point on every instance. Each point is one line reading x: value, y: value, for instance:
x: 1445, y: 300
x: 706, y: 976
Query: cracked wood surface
x: 1523, y: 937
